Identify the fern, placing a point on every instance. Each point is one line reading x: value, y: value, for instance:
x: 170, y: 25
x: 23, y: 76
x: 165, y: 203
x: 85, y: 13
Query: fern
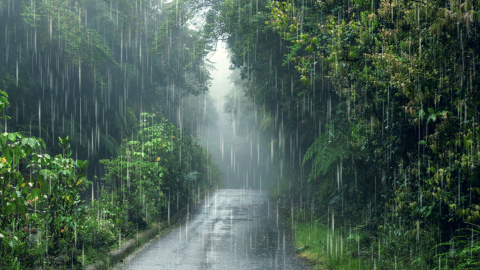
x: 324, y: 152
x: 110, y: 143
x: 464, y: 250
x: 267, y: 121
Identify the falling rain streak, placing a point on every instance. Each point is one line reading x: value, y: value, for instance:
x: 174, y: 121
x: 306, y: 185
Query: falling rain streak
x: 348, y: 129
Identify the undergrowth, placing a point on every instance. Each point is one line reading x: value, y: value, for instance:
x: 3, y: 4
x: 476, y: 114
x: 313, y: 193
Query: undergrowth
x: 325, y: 248
x: 390, y: 246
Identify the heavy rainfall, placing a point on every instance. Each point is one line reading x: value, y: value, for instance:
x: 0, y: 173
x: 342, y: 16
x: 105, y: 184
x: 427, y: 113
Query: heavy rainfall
x: 239, y: 134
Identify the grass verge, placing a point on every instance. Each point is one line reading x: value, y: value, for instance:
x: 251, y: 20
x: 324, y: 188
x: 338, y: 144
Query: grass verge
x: 325, y: 248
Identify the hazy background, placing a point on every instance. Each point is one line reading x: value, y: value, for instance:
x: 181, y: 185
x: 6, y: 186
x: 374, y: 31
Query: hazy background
x: 214, y: 137
x: 221, y: 83
x: 235, y: 141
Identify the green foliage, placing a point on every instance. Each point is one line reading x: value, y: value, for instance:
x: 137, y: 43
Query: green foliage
x: 327, y: 150
x: 387, y: 87
x: 464, y: 250
x: 60, y: 180
x: 325, y: 248
x: 45, y: 223
x: 86, y: 71
x: 154, y: 169
x: 40, y: 209
x: 89, y: 68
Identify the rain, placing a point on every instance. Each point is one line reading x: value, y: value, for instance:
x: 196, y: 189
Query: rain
x: 239, y: 134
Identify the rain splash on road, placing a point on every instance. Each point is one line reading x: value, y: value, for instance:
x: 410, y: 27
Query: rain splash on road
x: 231, y: 229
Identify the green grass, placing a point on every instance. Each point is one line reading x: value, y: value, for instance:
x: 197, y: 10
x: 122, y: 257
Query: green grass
x: 327, y: 249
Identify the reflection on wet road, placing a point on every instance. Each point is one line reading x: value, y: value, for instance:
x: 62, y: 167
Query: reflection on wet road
x: 231, y: 229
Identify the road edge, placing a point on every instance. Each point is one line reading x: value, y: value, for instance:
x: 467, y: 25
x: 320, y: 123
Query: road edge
x: 115, y: 256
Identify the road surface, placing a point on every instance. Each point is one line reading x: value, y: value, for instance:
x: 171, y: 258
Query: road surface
x: 232, y: 229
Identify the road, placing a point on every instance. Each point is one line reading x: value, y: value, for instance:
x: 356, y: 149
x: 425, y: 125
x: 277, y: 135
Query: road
x: 231, y: 229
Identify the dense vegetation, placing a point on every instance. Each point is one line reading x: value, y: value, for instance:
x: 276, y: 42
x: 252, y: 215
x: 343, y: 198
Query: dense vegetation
x: 103, y: 76
x: 88, y: 68
x: 361, y: 114
x: 44, y: 221
x: 371, y: 111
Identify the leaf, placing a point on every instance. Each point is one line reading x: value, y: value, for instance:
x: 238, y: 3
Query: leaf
x: 7, y: 154
x: 421, y: 113
x: 353, y: 236
x: 430, y: 208
x: 32, y: 142
x: 12, y: 136
x: 79, y: 164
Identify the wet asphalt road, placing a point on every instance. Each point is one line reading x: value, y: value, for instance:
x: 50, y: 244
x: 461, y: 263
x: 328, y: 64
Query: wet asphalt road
x: 231, y: 229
